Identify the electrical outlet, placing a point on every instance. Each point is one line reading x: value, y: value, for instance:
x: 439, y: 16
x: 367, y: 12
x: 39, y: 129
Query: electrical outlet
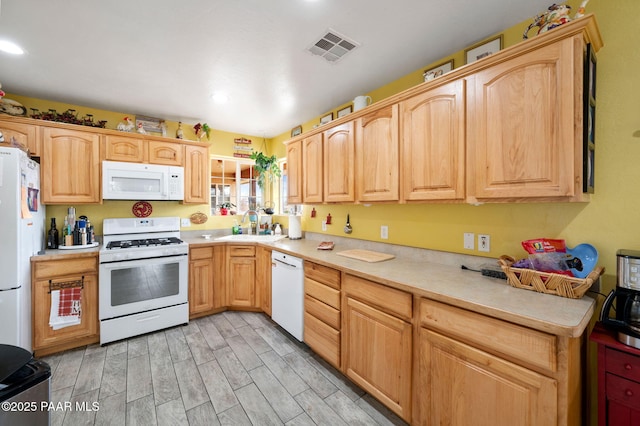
x: 384, y: 232
x: 468, y: 240
x: 185, y: 222
x: 484, y: 242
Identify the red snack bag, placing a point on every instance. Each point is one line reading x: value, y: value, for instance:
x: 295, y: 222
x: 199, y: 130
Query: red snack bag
x: 544, y: 245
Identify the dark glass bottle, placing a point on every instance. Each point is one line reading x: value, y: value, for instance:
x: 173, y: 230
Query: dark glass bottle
x: 52, y: 236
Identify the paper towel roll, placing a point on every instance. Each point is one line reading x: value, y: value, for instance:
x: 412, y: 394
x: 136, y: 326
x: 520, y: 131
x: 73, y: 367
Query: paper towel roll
x: 295, y: 227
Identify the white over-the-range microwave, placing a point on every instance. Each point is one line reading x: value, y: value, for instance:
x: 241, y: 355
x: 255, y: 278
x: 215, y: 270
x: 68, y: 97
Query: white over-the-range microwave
x: 135, y: 181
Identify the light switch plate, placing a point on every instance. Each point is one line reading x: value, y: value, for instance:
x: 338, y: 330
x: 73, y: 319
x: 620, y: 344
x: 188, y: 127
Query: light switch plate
x: 185, y: 222
x: 468, y: 240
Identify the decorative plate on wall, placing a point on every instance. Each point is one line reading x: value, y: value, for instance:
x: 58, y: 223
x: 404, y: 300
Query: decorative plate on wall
x: 199, y: 218
x: 142, y: 209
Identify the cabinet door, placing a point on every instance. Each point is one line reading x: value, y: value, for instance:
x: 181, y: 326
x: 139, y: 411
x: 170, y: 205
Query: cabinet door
x: 196, y: 175
x: 377, y: 355
x: 377, y: 150
x: 201, y: 270
x: 458, y: 382
x: 263, y: 278
x: 124, y: 148
x: 339, y: 152
x: 168, y: 153
x: 70, y: 166
x: 294, y: 173
x: 433, y: 144
x: 26, y: 136
x: 312, y: 171
x: 242, y: 276
x: 523, y: 133
x: 43, y: 335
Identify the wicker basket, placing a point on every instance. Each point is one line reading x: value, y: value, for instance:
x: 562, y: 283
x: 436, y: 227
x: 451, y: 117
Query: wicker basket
x: 546, y: 282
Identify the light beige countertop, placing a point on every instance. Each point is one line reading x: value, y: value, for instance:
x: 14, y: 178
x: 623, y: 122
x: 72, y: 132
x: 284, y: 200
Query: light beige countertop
x: 432, y: 274
x: 438, y: 276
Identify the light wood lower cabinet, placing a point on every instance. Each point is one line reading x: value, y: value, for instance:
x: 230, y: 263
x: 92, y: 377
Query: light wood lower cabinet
x: 263, y: 277
x: 47, y: 275
x: 241, y: 276
x: 377, y: 341
x: 322, y: 306
x: 201, y: 275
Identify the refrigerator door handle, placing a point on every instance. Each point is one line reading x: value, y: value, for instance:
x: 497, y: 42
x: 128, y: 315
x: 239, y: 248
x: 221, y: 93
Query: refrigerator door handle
x: 10, y: 288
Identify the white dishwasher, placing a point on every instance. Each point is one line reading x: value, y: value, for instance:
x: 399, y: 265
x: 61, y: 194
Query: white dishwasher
x: 287, y: 293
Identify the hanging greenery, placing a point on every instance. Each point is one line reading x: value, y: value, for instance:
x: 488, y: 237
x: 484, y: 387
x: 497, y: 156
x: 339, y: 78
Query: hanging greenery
x: 267, y: 168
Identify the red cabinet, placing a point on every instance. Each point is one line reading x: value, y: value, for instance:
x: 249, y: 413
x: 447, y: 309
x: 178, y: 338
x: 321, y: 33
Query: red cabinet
x: 618, y: 380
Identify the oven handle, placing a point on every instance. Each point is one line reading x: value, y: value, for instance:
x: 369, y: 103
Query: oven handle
x: 118, y: 264
x: 146, y: 260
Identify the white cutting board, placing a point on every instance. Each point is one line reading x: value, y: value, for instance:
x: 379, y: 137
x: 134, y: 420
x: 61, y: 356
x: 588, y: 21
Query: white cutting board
x: 366, y: 255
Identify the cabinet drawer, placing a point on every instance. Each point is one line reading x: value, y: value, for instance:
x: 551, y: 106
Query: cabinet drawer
x: 623, y: 390
x: 500, y: 337
x: 322, y: 274
x: 242, y: 251
x: 623, y: 364
x: 322, y: 292
x: 53, y: 268
x: 395, y: 302
x: 324, y: 340
x: 201, y: 253
x: 321, y: 311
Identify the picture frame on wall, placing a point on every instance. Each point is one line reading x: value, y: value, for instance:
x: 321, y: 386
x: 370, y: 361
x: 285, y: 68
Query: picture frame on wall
x: 438, y: 70
x: 327, y: 118
x: 296, y: 131
x: 483, y: 49
x: 345, y: 111
x: 150, y: 124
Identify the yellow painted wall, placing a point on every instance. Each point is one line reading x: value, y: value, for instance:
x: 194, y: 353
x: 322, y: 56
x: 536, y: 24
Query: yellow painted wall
x: 609, y: 221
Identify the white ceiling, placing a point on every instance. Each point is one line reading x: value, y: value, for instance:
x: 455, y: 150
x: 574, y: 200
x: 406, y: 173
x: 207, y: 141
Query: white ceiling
x: 166, y: 58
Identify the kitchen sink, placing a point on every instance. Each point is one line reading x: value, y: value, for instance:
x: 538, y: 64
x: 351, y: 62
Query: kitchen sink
x: 252, y: 238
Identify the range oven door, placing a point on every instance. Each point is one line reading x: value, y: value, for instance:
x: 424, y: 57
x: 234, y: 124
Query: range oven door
x: 134, y: 286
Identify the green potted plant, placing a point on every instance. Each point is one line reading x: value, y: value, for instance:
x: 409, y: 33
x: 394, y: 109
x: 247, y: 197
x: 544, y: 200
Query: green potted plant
x: 225, y: 207
x: 266, y: 167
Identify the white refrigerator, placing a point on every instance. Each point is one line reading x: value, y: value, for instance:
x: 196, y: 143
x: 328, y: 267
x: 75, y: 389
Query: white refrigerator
x: 22, y: 234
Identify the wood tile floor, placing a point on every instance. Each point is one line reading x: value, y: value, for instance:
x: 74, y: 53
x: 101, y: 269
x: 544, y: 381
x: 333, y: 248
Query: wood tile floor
x: 233, y: 368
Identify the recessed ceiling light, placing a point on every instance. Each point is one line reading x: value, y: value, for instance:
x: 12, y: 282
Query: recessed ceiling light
x: 9, y: 47
x: 220, y: 98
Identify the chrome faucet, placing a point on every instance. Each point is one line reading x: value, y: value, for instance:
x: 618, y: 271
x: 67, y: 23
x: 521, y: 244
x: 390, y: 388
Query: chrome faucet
x: 253, y: 225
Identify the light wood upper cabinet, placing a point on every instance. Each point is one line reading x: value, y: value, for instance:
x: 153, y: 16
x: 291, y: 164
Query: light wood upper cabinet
x: 25, y: 134
x: 339, y: 155
x: 294, y: 172
x: 377, y: 150
x: 125, y: 148
x: 169, y: 153
x: 312, y: 169
x: 70, y: 166
x: 525, y: 132
x: 433, y: 144
x: 196, y: 175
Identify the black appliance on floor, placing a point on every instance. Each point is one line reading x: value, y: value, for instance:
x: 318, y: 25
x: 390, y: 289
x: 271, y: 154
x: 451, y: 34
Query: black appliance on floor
x: 625, y: 299
x: 25, y: 388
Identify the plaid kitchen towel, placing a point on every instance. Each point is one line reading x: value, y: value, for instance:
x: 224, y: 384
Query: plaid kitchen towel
x: 70, y: 302
x: 57, y: 321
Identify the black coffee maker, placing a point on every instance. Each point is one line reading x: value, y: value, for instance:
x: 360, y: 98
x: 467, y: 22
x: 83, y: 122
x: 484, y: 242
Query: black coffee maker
x: 625, y: 299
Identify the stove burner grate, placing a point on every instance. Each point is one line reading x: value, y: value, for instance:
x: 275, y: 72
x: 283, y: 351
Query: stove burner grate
x: 150, y: 242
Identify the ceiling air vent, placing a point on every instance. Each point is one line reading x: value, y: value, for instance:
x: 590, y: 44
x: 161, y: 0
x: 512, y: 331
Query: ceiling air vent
x: 332, y: 46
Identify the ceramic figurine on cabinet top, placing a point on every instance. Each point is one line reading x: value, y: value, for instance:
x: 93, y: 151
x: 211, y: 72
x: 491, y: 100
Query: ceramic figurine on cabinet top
x: 555, y: 16
x: 127, y: 126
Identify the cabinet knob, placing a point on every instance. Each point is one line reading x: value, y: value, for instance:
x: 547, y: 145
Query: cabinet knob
x: 628, y: 393
x: 628, y: 367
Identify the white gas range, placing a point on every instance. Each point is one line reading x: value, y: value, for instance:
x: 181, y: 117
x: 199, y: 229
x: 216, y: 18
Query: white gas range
x: 143, y: 277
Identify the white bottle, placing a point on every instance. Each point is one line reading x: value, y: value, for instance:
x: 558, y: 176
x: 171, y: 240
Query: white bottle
x: 278, y: 230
